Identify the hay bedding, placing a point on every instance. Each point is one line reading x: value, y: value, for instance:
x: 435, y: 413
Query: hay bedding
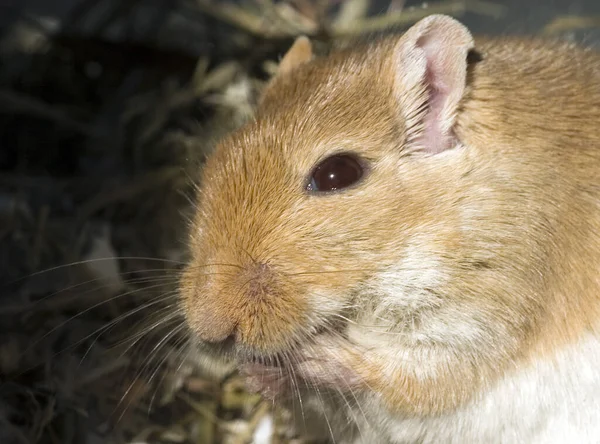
x: 104, y: 124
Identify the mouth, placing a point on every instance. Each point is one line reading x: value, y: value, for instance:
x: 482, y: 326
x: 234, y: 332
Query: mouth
x: 270, y: 381
x: 274, y: 376
x: 327, y: 363
x: 316, y: 361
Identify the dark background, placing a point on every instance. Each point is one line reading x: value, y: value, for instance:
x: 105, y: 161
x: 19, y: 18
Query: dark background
x: 524, y: 16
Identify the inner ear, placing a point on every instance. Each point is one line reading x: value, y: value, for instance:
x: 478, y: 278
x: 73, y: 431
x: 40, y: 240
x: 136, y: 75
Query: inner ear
x: 431, y: 73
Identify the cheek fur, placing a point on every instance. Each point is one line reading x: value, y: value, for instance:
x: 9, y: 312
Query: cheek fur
x: 411, y: 284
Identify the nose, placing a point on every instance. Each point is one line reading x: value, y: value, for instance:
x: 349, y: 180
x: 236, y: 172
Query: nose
x: 211, y: 321
x: 226, y: 346
x: 219, y: 338
x: 233, y: 307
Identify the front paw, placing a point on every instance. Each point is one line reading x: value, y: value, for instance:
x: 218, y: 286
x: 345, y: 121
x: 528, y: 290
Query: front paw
x: 333, y: 363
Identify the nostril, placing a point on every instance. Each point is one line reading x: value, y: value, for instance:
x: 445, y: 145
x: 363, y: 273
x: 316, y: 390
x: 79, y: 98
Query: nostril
x: 224, y: 346
x: 229, y: 342
x: 225, y: 341
x: 220, y: 334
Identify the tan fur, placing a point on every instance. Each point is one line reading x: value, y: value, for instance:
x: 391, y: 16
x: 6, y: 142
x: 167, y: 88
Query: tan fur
x: 512, y: 217
x: 298, y: 54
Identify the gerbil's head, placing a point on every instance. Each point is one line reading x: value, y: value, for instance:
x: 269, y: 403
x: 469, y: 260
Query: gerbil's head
x: 350, y: 200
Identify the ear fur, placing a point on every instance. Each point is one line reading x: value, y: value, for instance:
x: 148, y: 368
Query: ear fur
x: 430, y: 64
x: 300, y: 52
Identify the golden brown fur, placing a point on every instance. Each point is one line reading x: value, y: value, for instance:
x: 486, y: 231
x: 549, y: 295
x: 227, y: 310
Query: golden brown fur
x: 511, y: 217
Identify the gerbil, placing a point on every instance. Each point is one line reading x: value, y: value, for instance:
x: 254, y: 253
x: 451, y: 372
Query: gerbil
x: 404, y: 243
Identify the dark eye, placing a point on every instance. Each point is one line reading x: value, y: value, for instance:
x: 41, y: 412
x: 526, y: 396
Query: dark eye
x: 334, y: 173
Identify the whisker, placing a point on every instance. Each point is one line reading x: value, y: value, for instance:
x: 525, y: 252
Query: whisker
x: 305, y: 273
x: 345, y: 342
x: 293, y: 377
x: 316, y: 389
x: 89, y: 261
x: 344, y: 318
x: 184, y: 356
x: 167, y: 337
x: 371, y: 328
x: 87, y: 310
x: 102, y: 330
x: 178, y: 350
x: 139, y: 373
x: 39, y: 302
x: 152, y: 279
x: 80, y: 341
x: 349, y: 387
x: 247, y: 253
x: 193, y: 267
x: 320, y: 398
x: 138, y: 336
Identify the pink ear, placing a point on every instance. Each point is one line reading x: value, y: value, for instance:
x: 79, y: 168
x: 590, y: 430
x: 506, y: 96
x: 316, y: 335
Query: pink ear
x: 431, y: 72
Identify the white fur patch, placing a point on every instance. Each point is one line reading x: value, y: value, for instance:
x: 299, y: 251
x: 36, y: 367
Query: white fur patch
x: 554, y: 401
x: 406, y: 285
x: 401, y: 291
